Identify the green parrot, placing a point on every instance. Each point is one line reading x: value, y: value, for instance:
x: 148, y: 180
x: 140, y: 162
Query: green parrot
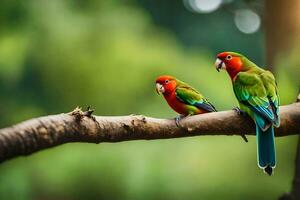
x: 256, y: 91
x: 182, y: 98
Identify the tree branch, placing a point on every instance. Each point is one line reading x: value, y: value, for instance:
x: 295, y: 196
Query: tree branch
x: 78, y: 126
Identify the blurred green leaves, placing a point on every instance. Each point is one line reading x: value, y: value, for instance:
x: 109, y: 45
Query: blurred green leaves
x: 13, y: 49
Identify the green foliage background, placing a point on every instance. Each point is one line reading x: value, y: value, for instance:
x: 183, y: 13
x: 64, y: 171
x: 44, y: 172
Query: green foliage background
x: 55, y: 55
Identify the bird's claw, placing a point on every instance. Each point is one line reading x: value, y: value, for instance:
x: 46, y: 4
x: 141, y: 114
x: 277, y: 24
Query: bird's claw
x: 177, y: 120
x: 239, y: 111
x: 244, y: 114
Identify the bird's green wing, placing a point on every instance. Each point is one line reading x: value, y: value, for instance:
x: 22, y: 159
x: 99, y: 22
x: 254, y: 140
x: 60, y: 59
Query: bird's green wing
x: 258, y: 91
x: 270, y: 84
x: 190, y: 96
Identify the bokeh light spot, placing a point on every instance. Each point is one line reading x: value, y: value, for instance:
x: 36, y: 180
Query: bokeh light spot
x: 202, y: 6
x: 247, y: 21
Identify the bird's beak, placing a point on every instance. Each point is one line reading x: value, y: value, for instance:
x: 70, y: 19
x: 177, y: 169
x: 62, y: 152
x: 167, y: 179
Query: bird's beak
x: 159, y: 88
x: 219, y: 64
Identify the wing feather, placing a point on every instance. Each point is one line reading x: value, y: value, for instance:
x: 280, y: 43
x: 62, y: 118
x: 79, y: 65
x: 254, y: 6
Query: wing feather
x: 190, y: 96
x: 258, y: 91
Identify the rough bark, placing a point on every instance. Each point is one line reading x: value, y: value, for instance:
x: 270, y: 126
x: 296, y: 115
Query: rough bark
x: 44, y: 132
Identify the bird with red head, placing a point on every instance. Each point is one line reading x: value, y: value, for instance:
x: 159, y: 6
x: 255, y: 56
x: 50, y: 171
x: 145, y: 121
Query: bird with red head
x: 257, y: 93
x: 182, y: 98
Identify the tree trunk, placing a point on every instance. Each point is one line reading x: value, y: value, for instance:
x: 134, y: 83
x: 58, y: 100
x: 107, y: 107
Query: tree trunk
x: 282, y: 29
x: 282, y: 37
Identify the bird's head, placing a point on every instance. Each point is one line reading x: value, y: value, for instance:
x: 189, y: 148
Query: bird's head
x: 165, y: 84
x: 229, y: 61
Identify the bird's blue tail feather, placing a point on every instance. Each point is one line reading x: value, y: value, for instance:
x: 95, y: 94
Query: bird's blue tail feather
x: 266, y: 148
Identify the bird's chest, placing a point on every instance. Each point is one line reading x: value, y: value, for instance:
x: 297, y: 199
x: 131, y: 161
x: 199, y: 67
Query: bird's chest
x: 176, y: 104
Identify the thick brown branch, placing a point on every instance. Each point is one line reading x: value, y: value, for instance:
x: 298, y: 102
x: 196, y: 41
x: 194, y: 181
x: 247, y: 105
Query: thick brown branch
x: 44, y: 132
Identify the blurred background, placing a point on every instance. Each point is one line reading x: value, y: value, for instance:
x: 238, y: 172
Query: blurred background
x: 59, y: 54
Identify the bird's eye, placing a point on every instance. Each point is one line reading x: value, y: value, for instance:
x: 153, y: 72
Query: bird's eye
x: 166, y: 81
x: 228, y: 57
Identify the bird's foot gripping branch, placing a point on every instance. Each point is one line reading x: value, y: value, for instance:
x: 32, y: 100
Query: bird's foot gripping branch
x: 78, y: 126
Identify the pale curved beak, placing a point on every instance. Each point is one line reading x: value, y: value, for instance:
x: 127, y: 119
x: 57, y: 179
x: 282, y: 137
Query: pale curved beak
x: 219, y: 64
x: 160, y: 88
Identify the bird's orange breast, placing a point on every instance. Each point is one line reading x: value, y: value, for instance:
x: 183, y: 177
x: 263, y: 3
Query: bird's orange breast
x: 175, y: 104
x: 180, y: 107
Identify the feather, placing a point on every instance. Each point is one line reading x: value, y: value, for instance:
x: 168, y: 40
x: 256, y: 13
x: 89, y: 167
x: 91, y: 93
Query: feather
x: 190, y: 96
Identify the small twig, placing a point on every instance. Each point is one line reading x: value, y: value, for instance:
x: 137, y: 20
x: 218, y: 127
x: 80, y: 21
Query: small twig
x: 244, y: 138
x: 88, y: 112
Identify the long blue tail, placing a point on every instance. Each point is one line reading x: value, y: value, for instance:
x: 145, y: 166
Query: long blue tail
x: 266, y: 149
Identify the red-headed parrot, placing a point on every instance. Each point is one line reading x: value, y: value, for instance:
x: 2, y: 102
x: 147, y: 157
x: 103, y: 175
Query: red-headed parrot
x: 182, y: 98
x: 256, y: 91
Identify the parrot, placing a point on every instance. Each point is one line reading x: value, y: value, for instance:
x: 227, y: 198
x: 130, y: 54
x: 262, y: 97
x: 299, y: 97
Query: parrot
x: 182, y: 98
x: 257, y: 93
